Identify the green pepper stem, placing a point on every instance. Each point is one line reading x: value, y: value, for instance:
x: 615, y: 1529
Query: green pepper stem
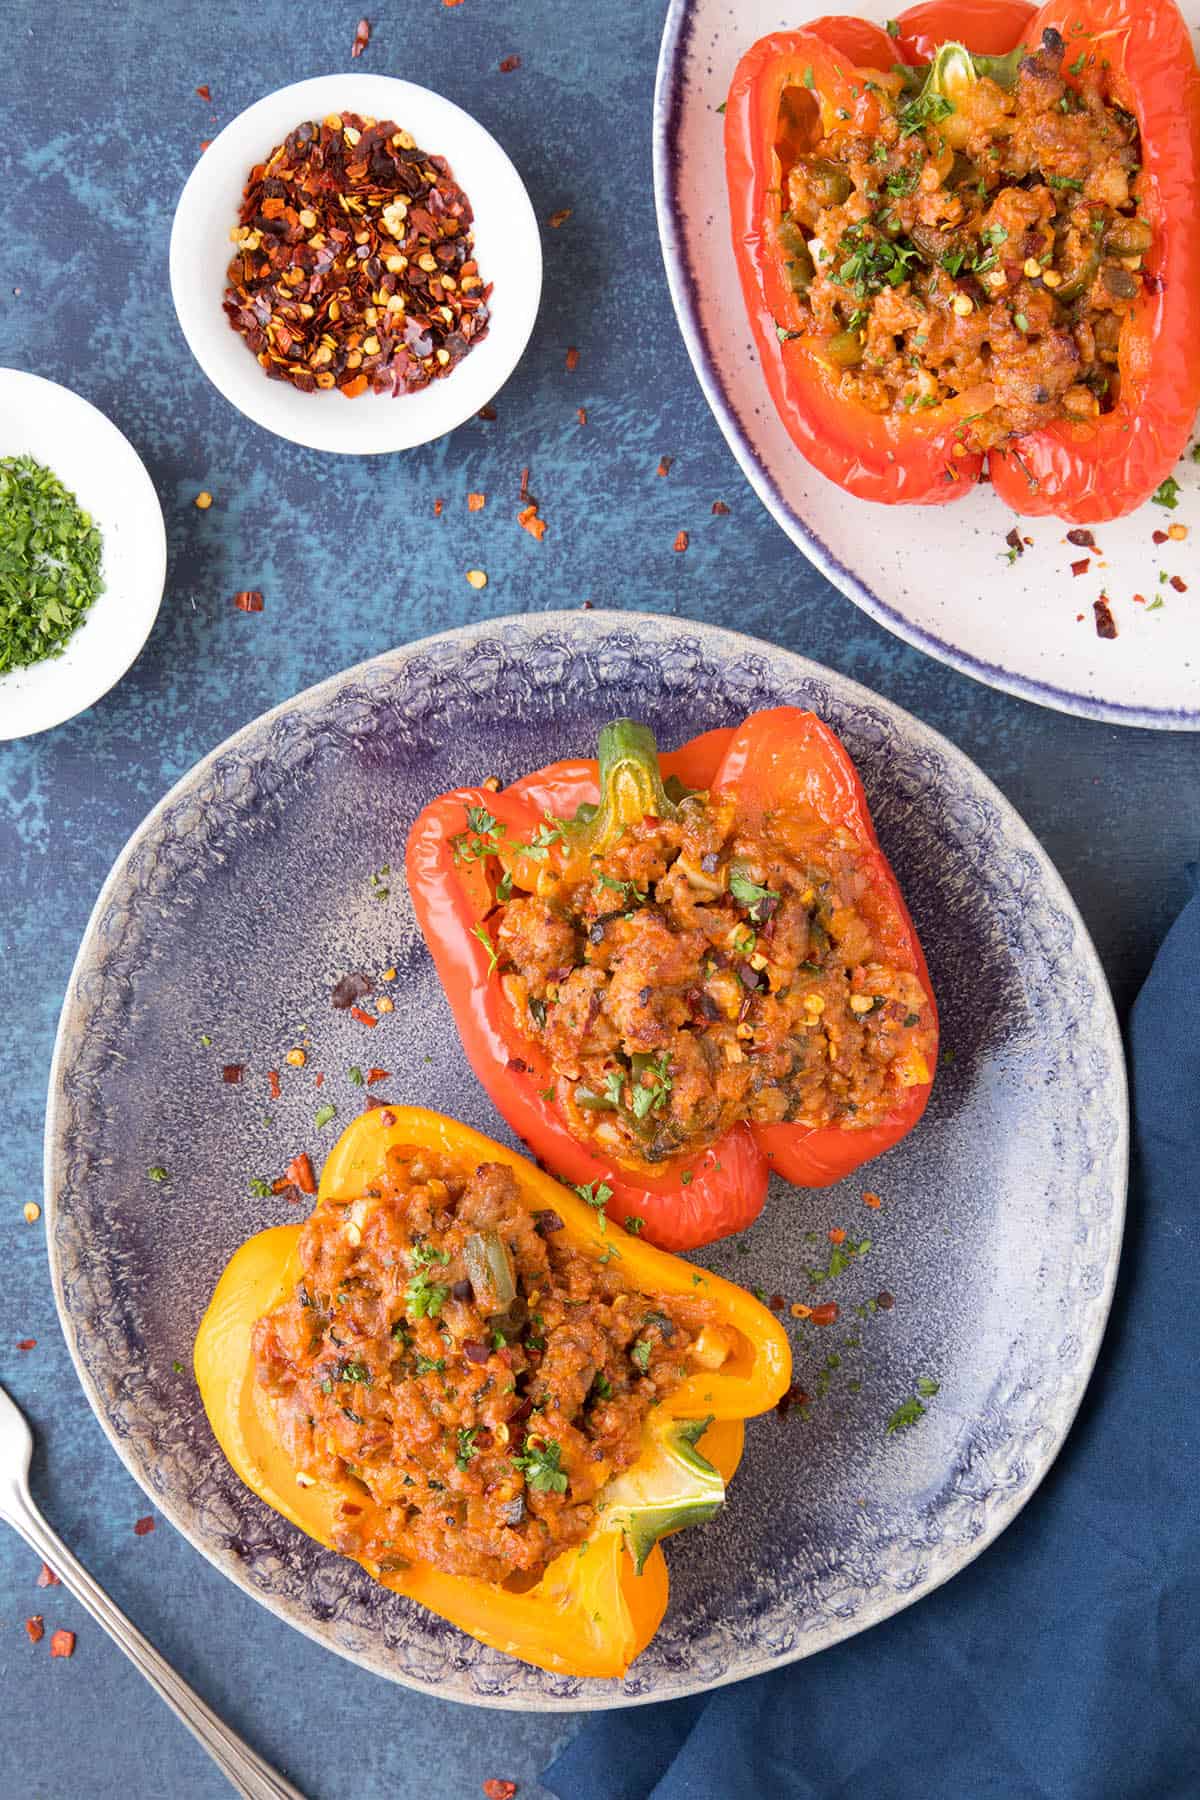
x: 631, y: 786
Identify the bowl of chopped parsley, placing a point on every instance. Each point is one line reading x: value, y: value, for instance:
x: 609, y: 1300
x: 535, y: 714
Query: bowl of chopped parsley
x: 83, y: 554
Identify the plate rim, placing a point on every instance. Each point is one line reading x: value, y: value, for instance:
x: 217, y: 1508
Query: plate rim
x: 834, y: 1632
x: 153, y: 555
x: 684, y: 291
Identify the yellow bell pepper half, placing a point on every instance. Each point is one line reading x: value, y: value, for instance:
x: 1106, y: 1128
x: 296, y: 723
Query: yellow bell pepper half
x: 591, y: 1613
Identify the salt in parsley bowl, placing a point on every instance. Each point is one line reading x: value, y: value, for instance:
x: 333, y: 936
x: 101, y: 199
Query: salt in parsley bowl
x: 506, y: 248
x: 98, y: 467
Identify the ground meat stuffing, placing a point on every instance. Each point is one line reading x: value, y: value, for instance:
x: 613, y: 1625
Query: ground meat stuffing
x: 982, y: 250
x: 474, y: 1379
x: 703, y: 973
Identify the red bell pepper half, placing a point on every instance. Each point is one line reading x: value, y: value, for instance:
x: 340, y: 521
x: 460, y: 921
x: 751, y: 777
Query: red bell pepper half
x: 791, y: 88
x: 784, y: 761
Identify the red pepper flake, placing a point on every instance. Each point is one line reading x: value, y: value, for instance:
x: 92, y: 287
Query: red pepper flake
x: 62, y: 1643
x: 248, y: 600
x: 203, y: 92
x: 664, y: 465
x: 1106, y: 625
x: 777, y: 1303
x: 873, y: 1201
x: 1082, y: 566
x: 517, y: 1065
x: 362, y: 38
x: 1082, y: 540
x: 523, y: 490
x: 204, y: 143
x: 363, y: 1017
x: 451, y: 2
x: 884, y: 1301
x: 1139, y: 599
x: 35, y: 1628
x: 837, y: 1235
x: 487, y: 412
x: 354, y: 262
x: 572, y: 358
x: 1179, y: 584
x: 47, y: 1577
x: 377, y: 1075
x: 387, y: 1119
x: 720, y: 509
x: 1015, y: 543
x: 508, y: 64
x: 319, y: 1078
x: 437, y: 508
x: 499, y: 1790
x: 300, y: 1170
x: 143, y: 1527
x: 232, y: 1073
x: 681, y: 541
x: 559, y: 218
x: 1079, y: 618
x: 273, y: 1078
x: 1160, y: 537
x: 581, y: 414
x: 476, y: 502
x: 795, y: 1396
x: 528, y: 519
x: 826, y: 1314
x: 27, y: 1344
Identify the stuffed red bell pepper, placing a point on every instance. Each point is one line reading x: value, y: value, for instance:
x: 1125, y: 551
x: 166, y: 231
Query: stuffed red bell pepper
x: 673, y: 976
x: 972, y: 236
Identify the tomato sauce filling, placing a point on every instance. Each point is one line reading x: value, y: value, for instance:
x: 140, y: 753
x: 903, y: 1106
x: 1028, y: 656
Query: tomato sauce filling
x: 704, y: 971
x: 983, y: 247
x: 470, y: 1377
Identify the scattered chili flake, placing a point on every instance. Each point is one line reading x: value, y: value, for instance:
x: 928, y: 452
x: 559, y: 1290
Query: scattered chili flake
x: 143, y: 1527
x: 273, y: 1079
x: 1139, y: 599
x: 884, y: 1301
x: 681, y: 541
x: 47, y: 1577
x: 873, y: 1201
x: 528, y: 519
x: 581, y: 414
x: 1013, y: 540
x: 31, y: 1212
x: 377, y: 1075
x: 1106, y: 625
x: 798, y: 1310
x: 824, y: 1314
x: 27, y: 1344
x: 476, y: 502
x: 203, y: 500
x: 233, y: 1072
x: 487, y: 412
x: 523, y: 490
x: 777, y: 1303
x: 319, y: 1078
x: 363, y: 1017
x: 349, y: 989
x: 35, y: 1628
x: 559, y: 218
x: 203, y: 91
x: 1179, y: 584
x: 385, y: 1005
x: 248, y: 600
x: 477, y: 578
x: 664, y: 465
x: 362, y: 38
x: 1177, y: 533
x: 1083, y: 540
x: 437, y: 508
x: 451, y: 2
x: 300, y: 1170
x: 836, y: 1235
x: 354, y: 262
x: 499, y: 1790
x: 720, y: 509
x: 1160, y: 537
x: 508, y: 64
x: 62, y: 1643
x: 572, y: 358
x: 204, y: 143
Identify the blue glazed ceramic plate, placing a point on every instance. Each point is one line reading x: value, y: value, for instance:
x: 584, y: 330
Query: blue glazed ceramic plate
x: 248, y: 892
x: 938, y: 576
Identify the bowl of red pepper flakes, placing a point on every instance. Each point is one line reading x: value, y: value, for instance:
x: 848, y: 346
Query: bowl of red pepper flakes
x: 356, y: 237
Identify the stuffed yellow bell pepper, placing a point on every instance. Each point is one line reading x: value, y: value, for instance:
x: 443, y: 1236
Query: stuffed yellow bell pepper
x: 463, y: 1375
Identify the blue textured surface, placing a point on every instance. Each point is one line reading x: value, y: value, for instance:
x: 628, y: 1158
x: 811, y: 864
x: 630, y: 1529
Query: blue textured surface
x: 101, y: 127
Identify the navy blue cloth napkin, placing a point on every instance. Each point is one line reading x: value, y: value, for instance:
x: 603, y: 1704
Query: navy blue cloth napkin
x: 1065, y: 1662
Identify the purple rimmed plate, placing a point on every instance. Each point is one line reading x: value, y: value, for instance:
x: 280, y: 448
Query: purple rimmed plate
x: 941, y: 577
x: 248, y: 891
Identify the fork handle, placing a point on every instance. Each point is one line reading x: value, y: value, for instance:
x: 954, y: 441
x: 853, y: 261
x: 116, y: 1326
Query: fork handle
x: 241, y: 1766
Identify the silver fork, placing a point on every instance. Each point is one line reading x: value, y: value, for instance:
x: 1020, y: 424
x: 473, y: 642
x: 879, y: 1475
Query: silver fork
x: 242, y: 1768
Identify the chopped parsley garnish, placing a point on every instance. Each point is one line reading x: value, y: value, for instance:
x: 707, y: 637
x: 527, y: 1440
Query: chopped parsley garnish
x: 614, y: 1086
x: 539, y: 1463
x: 869, y: 264
x: 539, y: 844
x: 892, y: 28
x: 423, y: 1254
x: 633, y: 1224
x: 808, y: 76
x: 1064, y: 181
x: 905, y: 1415
x: 467, y: 1447
x: 480, y: 931
x: 259, y: 1188
x: 323, y: 1114
x: 429, y: 1365
x: 481, y: 821
x: 629, y: 890
x: 640, y: 1354
x: 1167, y: 494
x: 927, y: 1386
x: 206, y: 1040
x: 379, y: 883
x: 925, y: 110
x: 686, y: 1179
x: 50, y: 563
x: 356, y: 1075
x: 902, y: 182
x: 156, y: 1172
x: 652, y: 1096
x: 355, y: 1371
x: 1021, y: 322
x: 602, y: 1387
x: 953, y: 260
x: 480, y: 839
x: 424, y: 1299
x: 748, y: 893
x: 596, y: 1193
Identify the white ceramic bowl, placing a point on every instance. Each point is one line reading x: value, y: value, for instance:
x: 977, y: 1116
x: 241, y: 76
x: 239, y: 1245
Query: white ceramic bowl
x: 507, y: 244
x: 102, y: 469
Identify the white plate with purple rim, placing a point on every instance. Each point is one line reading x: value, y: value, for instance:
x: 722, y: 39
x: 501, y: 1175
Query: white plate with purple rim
x: 937, y: 576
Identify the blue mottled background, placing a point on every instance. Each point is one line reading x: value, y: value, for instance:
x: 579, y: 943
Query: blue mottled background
x: 101, y: 125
